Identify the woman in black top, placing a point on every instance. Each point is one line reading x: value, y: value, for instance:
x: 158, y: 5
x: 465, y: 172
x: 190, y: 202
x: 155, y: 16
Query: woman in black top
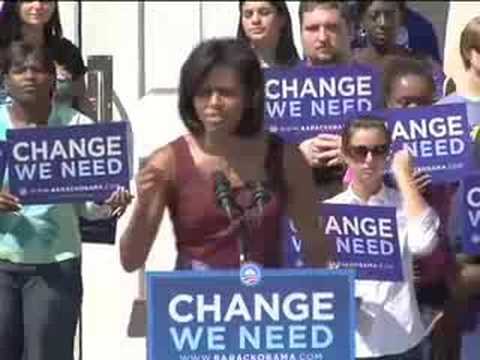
x: 38, y: 23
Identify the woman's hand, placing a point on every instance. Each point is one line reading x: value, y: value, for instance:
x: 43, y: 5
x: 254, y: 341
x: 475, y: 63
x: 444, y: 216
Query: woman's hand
x: 8, y: 202
x: 422, y: 180
x: 118, y: 201
x: 402, y: 165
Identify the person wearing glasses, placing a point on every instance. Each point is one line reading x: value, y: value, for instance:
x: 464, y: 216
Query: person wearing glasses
x: 388, y: 319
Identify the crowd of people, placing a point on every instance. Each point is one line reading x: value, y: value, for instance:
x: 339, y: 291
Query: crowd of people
x: 221, y: 103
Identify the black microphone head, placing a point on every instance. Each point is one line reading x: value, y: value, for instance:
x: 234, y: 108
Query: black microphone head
x: 260, y: 194
x: 221, y: 183
x: 222, y: 188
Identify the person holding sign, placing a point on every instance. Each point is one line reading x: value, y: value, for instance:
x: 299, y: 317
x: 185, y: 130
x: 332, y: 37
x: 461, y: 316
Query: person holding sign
x: 267, y: 27
x: 388, y: 318
x: 467, y: 289
x: 409, y: 82
x: 40, y: 248
x: 325, y: 29
x: 214, y: 179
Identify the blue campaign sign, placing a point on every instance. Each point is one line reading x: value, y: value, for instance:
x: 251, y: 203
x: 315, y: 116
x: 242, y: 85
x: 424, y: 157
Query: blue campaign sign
x: 364, y: 238
x: 69, y: 164
x: 303, y: 101
x: 471, y: 216
x: 291, y: 244
x: 437, y: 136
x: 222, y: 315
x: 3, y: 159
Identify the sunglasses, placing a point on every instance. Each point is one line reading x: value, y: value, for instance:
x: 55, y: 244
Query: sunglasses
x: 360, y: 152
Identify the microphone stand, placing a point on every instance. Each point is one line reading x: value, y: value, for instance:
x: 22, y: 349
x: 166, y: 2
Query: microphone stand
x: 244, y: 238
x: 225, y: 200
x: 260, y: 198
x: 244, y: 233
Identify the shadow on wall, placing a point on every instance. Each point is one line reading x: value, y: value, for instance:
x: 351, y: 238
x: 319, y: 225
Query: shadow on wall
x: 137, y: 326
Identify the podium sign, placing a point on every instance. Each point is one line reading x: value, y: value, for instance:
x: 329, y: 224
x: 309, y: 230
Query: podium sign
x: 275, y: 314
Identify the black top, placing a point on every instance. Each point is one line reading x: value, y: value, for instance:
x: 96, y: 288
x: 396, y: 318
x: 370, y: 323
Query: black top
x: 68, y: 55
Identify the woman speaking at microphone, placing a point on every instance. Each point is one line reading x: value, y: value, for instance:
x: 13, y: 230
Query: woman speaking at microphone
x: 221, y: 102
x: 40, y: 248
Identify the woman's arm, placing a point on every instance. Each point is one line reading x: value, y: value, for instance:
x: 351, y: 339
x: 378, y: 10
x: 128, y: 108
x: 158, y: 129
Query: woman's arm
x: 152, y: 185
x: 470, y: 278
x: 302, y: 207
x: 80, y: 100
x: 423, y: 223
x: 402, y: 166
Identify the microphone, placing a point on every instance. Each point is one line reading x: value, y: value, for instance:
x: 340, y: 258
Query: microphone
x: 260, y: 196
x: 223, y: 193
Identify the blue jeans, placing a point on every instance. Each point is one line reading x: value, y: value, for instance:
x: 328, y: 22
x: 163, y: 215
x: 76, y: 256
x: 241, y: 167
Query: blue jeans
x: 40, y: 306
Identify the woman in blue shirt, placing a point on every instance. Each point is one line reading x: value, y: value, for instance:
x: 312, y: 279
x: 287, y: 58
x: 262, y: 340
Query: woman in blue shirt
x: 40, y: 248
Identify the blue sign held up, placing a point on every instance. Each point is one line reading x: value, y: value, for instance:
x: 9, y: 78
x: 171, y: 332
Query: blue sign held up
x: 69, y: 164
x: 303, y: 101
x: 471, y: 216
x: 291, y: 244
x: 295, y: 315
x: 437, y: 136
x: 364, y: 238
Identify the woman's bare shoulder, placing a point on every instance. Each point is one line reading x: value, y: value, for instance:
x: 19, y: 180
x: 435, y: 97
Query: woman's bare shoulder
x: 162, y: 160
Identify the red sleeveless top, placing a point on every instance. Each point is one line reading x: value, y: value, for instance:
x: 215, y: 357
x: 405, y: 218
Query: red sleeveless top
x: 204, y: 235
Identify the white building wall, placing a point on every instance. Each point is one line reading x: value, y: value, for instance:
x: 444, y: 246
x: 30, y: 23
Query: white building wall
x: 109, y: 28
x: 461, y: 12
